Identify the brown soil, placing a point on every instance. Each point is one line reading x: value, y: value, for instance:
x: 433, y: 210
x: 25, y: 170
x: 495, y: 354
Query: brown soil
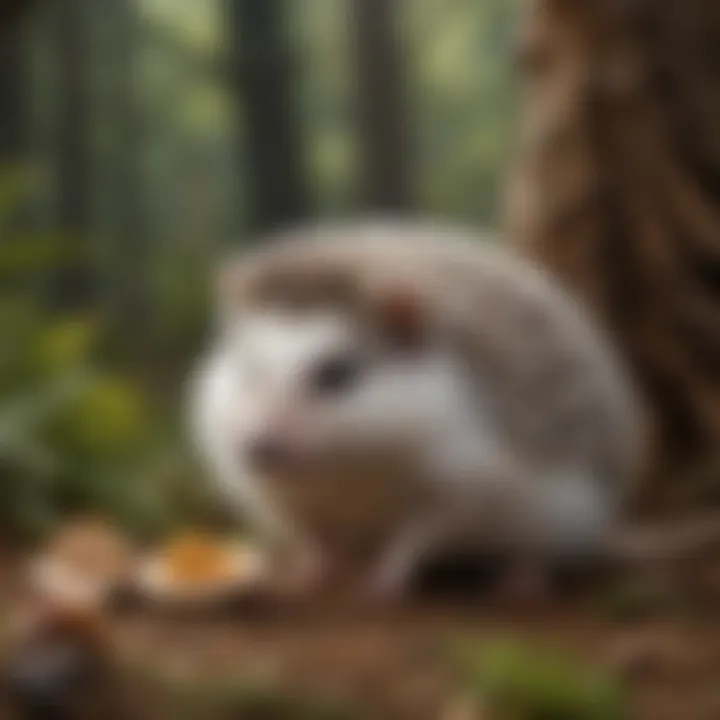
x: 393, y: 664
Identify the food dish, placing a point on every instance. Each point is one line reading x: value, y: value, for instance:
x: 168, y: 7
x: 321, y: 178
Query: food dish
x: 196, y: 569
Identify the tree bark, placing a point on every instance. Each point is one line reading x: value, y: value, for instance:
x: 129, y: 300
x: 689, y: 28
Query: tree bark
x: 617, y: 190
x: 384, y: 131
x: 266, y: 109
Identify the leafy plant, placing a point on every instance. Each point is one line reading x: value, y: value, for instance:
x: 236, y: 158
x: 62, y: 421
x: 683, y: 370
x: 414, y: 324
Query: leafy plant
x: 76, y: 433
x: 530, y: 683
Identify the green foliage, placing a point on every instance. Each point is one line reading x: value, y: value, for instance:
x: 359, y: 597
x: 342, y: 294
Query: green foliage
x: 465, y: 101
x: 63, y: 421
x: 77, y: 437
x: 531, y: 683
x: 76, y: 434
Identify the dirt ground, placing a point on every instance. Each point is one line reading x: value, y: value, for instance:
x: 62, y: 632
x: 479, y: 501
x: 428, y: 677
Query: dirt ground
x: 393, y: 664
x: 389, y: 667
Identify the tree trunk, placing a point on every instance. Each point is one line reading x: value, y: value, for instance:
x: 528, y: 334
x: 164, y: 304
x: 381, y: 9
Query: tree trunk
x: 12, y: 94
x: 130, y: 278
x: 617, y: 190
x: 384, y: 154
x: 266, y: 109
x: 74, y: 280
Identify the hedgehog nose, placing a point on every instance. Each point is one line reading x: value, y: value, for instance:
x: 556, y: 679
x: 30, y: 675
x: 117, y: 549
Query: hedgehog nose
x: 267, y: 453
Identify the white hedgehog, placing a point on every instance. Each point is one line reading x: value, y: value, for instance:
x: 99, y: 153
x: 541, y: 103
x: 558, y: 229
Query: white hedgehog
x: 382, y: 391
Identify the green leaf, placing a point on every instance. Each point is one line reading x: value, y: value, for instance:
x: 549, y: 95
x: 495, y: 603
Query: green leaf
x: 540, y: 684
x: 66, y: 344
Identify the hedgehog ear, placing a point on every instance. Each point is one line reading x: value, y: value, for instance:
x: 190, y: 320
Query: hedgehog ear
x: 401, y: 316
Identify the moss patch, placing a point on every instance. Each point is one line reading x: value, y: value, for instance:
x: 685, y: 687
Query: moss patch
x: 527, y: 683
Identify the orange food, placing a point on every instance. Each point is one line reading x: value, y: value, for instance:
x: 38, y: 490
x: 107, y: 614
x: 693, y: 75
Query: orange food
x: 193, y: 558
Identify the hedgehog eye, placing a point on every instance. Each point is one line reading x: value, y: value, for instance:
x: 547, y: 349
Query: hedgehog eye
x: 335, y: 374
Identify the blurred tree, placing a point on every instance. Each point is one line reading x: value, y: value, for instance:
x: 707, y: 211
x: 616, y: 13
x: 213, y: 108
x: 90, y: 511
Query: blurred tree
x: 385, y: 144
x: 464, y: 104
x: 132, y: 251
x: 73, y: 282
x: 618, y: 190
x: 261, y: 61
x: 11, y: 10
x: 12, y: 93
